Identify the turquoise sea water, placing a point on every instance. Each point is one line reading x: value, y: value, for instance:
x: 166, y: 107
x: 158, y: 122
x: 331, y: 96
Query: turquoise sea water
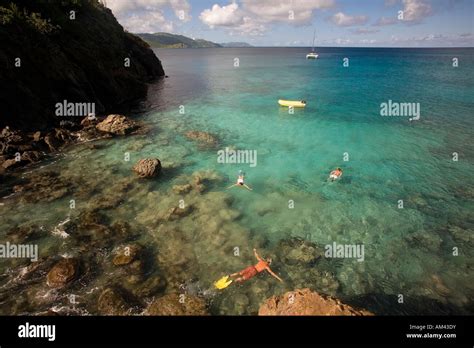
x: 408, y: 251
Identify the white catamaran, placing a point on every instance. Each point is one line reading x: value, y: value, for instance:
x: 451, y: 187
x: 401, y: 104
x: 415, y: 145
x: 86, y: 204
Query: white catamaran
x: 312, y: 54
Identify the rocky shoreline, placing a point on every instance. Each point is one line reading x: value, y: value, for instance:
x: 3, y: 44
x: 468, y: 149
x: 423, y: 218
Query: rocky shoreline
x: 19, y: 148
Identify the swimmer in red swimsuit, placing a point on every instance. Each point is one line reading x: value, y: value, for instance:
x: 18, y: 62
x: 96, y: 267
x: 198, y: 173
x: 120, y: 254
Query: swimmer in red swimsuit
x: 252, y: 271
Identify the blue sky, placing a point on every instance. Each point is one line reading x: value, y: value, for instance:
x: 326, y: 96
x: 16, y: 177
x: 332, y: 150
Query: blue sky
x: 371, y: 23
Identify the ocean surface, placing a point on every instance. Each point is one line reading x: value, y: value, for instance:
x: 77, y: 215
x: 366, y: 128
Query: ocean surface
x: 406, y: 194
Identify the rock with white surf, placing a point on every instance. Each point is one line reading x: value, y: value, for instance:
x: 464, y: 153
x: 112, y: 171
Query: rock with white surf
x: 63, y: 273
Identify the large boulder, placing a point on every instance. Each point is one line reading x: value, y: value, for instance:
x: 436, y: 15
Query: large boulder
x: 62, y: 273
x: 307, y: 302
x: 148, y: 167
x: 175, y: 304
x: 117, y: 124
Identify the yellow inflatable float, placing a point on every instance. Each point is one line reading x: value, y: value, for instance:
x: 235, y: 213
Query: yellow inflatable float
x: 293, y: 103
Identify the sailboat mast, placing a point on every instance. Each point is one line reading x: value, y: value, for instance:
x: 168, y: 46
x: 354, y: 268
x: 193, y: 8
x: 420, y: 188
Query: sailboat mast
x: 314, y: 37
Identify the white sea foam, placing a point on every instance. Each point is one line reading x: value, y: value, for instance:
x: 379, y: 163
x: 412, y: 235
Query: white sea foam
x: 59, y: 230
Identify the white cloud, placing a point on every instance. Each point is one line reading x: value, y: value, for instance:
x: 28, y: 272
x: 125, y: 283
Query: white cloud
x: 181, y: 9
x: 296, y: 11
x: 148, y: 22
x: 432, y: 40
x: 416, y: 10
x: 233, y: 18
x: 148, y: 15
x: 225, y: 16
x: 255, y: 16
x: 343, y: 20
x: 250, y: 27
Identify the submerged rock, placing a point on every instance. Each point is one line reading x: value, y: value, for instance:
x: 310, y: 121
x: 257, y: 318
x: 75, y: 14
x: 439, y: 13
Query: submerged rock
x: 176, y: 255
x: 430, y: 241
x: 150, y: 287
x: 202, y: 179
x: 148, y: 167
x: 23, y: 234
x: 92, y: 229
x: 241, y: 303
x: 198, y: 184
x: 297, y: 251
x: 176, y: 251
x: 117, y: 124
x: 203, y: 138
x: 112, y: 302
x: 462, y: 235
x: 177, y: 212
x: 45, y: 187
x: 182, y: 189
x: 62, y: 273
x: 125, y: 254
x: 123, y: 231
x: 176, y: 304
x: 307, y: 302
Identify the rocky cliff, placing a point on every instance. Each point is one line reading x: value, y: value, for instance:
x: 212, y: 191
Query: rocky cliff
x: 306, y: 302
x: 68, y: 50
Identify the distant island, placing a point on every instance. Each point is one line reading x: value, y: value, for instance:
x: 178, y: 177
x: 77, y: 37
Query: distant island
x: 167, y: 40
x: 235, y: 44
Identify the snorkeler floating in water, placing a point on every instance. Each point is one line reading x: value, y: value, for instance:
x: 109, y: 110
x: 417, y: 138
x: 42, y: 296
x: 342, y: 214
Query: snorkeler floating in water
x: 251, y: 271
x: 240, y: 181
x: 335, y: 174
x: 247, y: 273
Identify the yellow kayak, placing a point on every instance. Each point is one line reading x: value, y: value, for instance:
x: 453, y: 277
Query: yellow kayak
x: 293, y: 103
